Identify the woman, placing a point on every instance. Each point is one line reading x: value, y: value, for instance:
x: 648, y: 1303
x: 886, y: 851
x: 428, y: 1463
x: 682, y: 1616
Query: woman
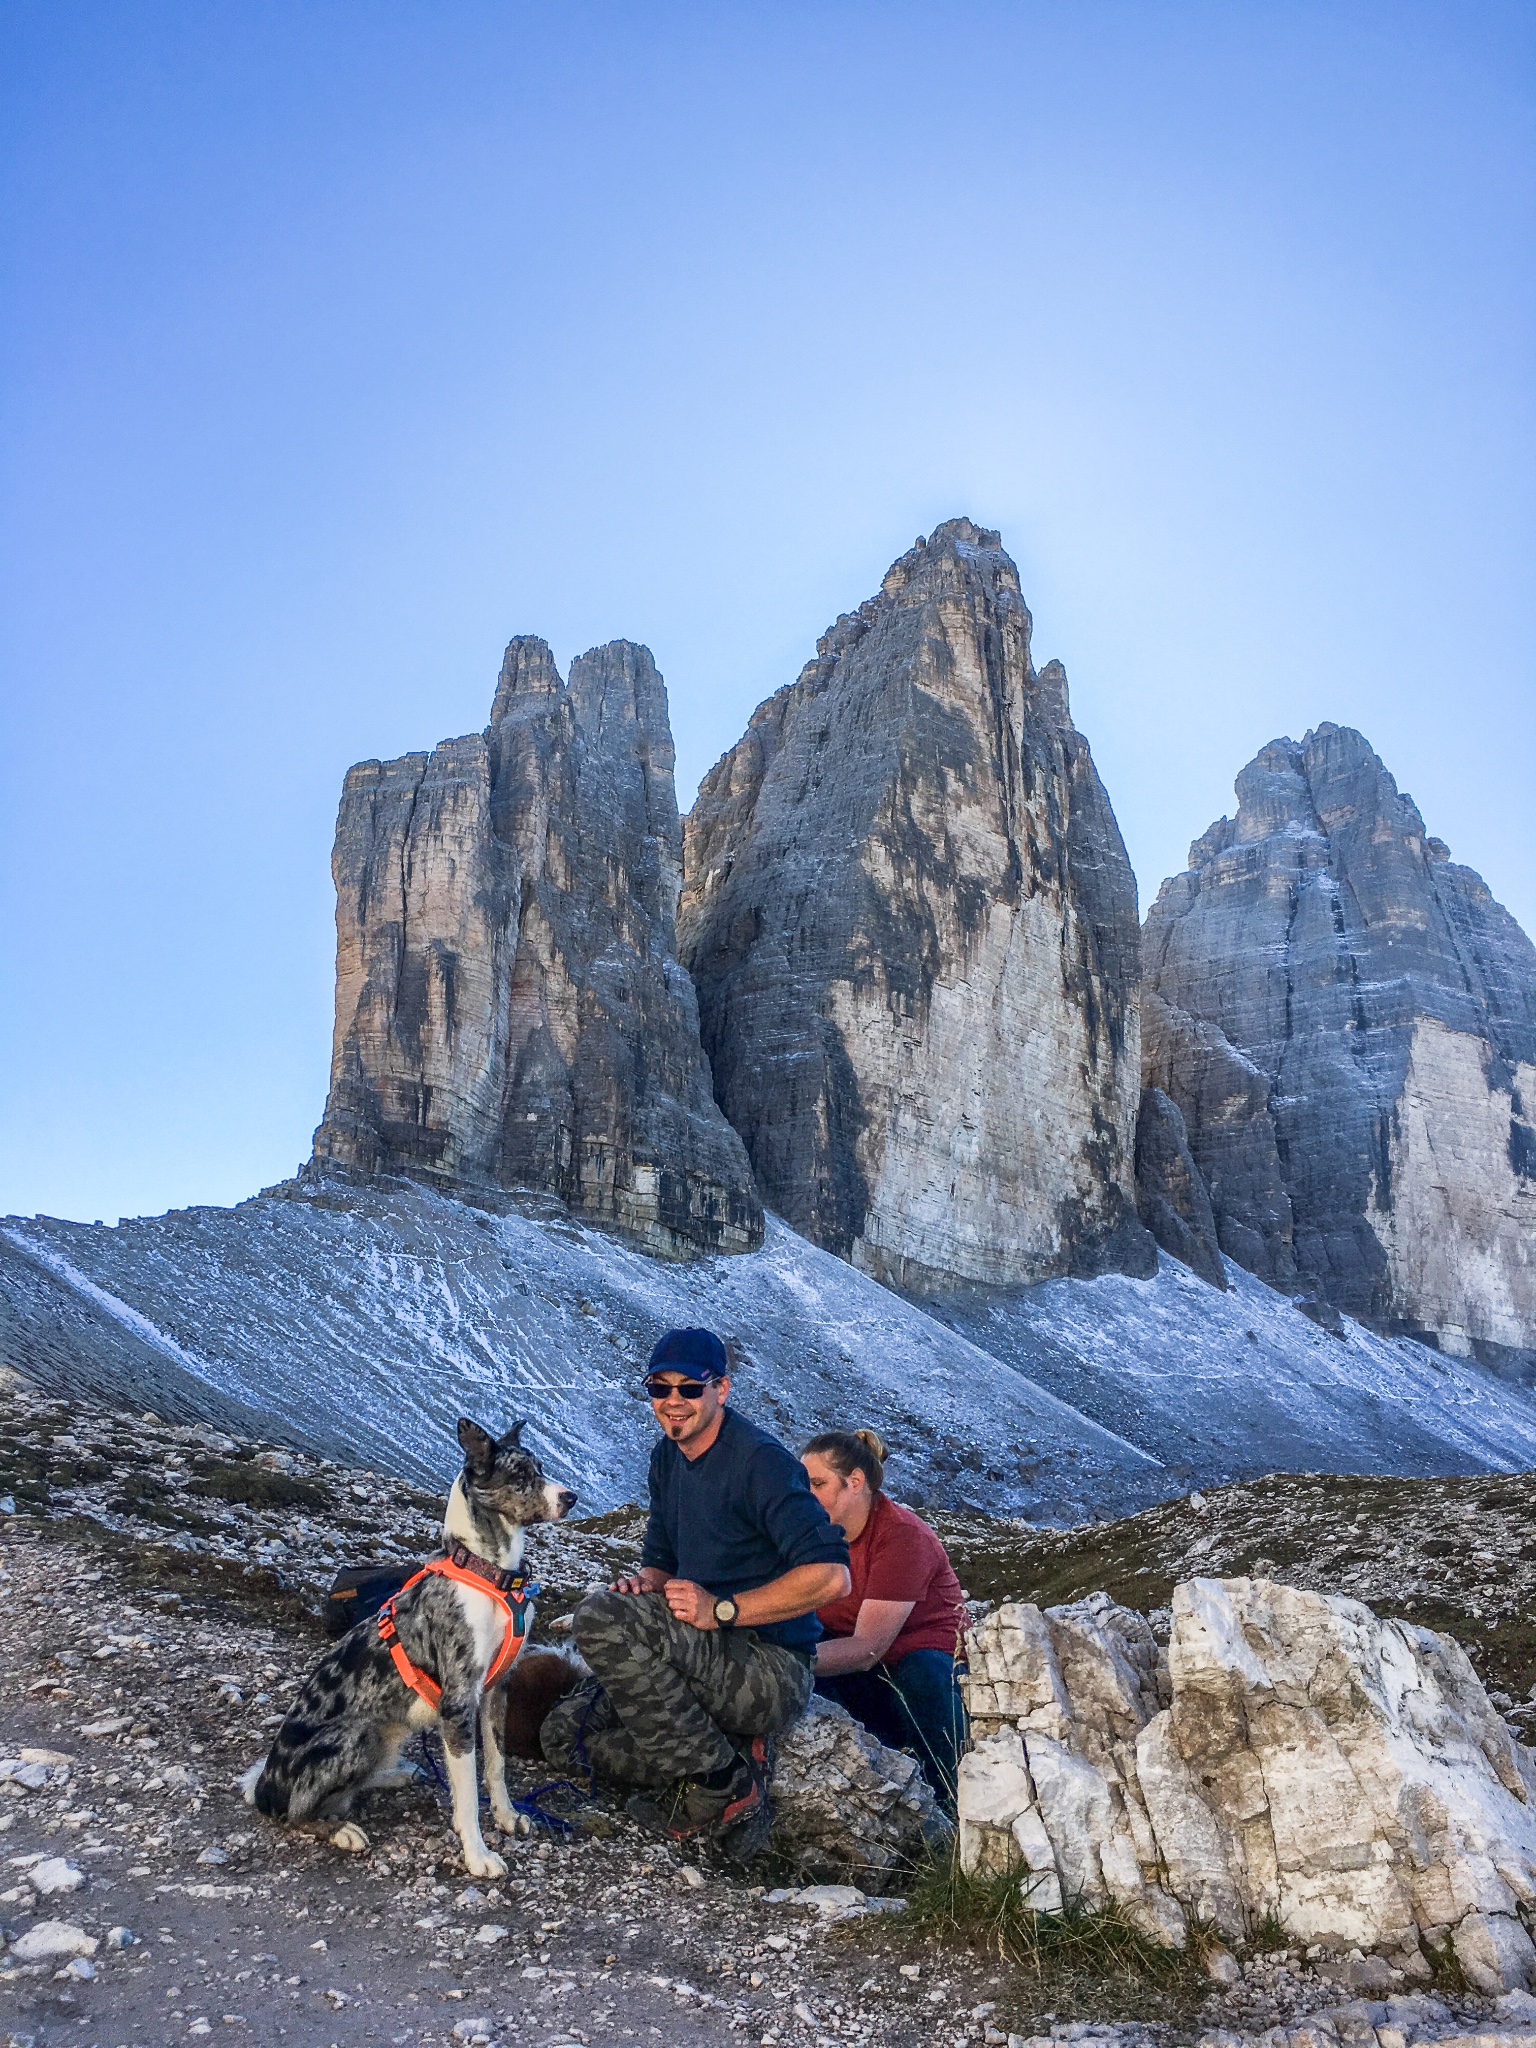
x: 888, y: 1654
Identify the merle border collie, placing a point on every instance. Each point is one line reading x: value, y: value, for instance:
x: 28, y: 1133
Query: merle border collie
x: 355, y: 1711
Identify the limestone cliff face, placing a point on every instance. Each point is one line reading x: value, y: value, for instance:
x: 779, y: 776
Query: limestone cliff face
x: 912, y: 926
x: 1172, y: 1199
x: 510, y: 1012
x: 1347, y: 1021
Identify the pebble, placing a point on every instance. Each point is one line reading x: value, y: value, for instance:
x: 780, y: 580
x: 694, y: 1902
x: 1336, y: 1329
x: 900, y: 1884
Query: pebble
x: 110, y: 1724
x: 31, y: 1777
x: 49, y: 1941
x: 55, y: 1874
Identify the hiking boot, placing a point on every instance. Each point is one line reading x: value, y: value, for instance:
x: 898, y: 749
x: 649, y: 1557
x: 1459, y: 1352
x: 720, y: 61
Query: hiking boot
x: 742, y: 1831
x: 692, y: 1808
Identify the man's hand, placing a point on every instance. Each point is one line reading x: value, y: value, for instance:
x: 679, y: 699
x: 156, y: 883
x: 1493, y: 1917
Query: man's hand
x: 649, y: 1579
x: 691, y: 1603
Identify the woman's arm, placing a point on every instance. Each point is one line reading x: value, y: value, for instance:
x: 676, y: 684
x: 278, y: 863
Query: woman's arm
x: 877, y: 1626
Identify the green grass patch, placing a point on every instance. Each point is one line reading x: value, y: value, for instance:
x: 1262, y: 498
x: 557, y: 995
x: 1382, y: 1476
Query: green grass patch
x: 992, y: 1915
x: 149, y: 1500
x: 1059, y: 1965
x: 253, y: 1486
x: 625, y: 1521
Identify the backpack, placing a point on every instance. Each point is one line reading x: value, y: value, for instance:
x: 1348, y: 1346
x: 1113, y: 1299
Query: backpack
x: 358, y: 1591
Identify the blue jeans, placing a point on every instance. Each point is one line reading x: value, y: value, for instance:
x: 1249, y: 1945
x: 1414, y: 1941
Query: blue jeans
x: 912, y: 1704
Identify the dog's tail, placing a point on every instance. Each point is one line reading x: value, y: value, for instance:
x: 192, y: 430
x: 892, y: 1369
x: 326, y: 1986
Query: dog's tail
x: 538, y: 1679
x: 259, y: 1788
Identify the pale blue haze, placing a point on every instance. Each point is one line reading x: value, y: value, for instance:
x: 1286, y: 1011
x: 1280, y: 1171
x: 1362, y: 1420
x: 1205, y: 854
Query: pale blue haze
x: 343, y: 341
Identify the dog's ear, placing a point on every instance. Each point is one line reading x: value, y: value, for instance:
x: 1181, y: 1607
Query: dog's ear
x: 479, y: 1447
x: 512, y: 1437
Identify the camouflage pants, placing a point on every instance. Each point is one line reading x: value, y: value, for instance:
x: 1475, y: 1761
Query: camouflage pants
x: 665, y: 1699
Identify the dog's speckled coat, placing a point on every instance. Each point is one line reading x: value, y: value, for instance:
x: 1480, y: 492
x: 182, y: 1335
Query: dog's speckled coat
x: 355, y: 1711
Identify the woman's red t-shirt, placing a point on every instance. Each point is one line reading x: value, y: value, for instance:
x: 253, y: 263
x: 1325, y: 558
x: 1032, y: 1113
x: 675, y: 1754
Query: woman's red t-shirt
x: 896, y: 1556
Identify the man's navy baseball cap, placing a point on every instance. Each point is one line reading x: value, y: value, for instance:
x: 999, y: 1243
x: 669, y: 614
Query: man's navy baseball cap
x: 698, y: 1352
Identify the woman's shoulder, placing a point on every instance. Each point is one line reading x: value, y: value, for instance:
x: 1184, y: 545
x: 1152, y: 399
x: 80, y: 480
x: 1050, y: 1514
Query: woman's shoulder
x: 906, y: 1524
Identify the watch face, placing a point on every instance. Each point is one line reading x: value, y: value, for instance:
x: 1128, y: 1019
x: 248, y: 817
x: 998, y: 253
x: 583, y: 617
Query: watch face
x: 725, y: 1610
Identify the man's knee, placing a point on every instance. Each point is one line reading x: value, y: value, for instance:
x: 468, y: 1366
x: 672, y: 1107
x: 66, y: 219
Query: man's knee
x: 608, y: 1625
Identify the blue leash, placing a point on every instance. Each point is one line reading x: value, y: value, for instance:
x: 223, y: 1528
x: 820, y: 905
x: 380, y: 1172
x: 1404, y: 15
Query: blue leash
x: 431, y: 1763
x: 555, y: 1823
x: 528, y: 1805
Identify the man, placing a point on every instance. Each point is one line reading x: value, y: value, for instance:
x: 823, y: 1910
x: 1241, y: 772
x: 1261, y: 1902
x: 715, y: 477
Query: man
x: 706, y: 1653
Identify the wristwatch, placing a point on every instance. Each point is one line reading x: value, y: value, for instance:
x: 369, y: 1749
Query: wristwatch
x: 725, y: 1612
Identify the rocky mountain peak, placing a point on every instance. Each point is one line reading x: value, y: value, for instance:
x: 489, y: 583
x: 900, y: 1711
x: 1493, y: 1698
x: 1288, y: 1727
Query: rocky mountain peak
x: 528, y: 670
x: 1346, y: 1020
x: 911, y: 923
x: 510, y: 1013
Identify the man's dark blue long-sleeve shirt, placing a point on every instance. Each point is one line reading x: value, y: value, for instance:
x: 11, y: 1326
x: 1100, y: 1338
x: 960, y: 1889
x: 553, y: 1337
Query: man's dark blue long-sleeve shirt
x: 738, y: 1516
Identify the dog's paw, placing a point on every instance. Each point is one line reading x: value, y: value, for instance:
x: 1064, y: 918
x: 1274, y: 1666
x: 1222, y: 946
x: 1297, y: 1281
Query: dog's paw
x: 246, y: 1782
x: 350, y: 1836
x: 485, y: 1863
x: 510, y: 1822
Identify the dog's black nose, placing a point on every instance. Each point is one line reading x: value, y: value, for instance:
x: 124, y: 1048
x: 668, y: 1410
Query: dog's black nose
x: 568, y: 1500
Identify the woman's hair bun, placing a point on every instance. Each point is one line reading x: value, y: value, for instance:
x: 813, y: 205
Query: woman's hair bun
x: 848, y: 1451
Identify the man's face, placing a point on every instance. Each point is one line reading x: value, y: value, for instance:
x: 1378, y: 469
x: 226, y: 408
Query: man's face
x: 683, y: 1416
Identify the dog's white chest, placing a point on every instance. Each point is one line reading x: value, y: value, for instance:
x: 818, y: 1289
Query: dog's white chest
x: 487, y: 1622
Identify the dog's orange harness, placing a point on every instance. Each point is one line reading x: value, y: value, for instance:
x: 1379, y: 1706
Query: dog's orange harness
x: 511, y: 1591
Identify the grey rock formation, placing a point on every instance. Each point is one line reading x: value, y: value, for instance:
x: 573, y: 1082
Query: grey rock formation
x: 845, y: 1805
x: 911, y: 922
x: 1347, y: 1021
x: 1171, y: 1196
x: 509, y: 1009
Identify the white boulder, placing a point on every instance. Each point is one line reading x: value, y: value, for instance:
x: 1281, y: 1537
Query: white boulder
x: 1295, y: 1756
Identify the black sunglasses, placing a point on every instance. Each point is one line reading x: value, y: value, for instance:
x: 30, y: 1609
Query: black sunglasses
x: 691, y: 1390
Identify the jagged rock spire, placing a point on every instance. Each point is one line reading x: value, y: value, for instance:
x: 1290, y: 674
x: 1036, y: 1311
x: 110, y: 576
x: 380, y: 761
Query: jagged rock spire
x: 912, y: 926
x: 1347, y: 1021
x: 509, y: 1009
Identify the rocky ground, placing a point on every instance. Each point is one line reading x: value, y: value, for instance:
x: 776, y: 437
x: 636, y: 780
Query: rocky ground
x: 156, y: 1612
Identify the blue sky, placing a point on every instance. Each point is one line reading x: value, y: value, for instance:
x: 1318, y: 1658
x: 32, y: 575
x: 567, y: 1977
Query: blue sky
x: 343, y: 341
